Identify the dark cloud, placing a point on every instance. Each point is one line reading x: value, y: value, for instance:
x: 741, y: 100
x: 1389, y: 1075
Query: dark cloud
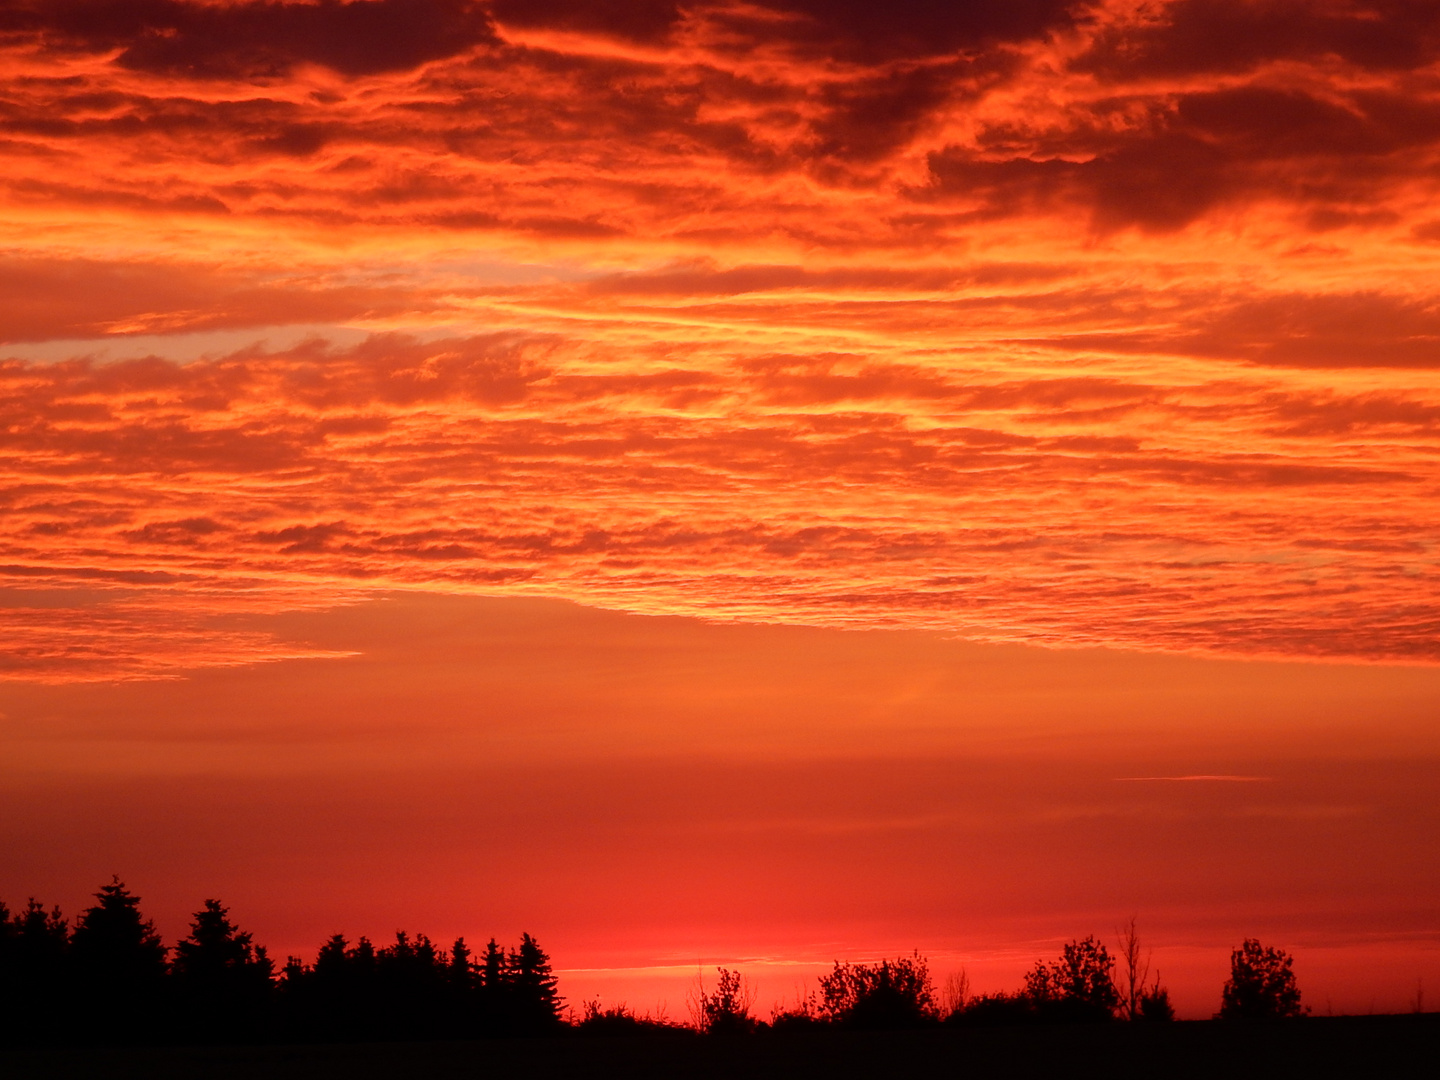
x: 1300, y: 330
x: 867, y: 119
x: 852, y: 29
x: 864, y: 30
x: 638, y: 20
x: 1159, y: 182
x: 1196, y: 36
x: 1358, y: 329
x: 1202, y: 149
x: 262, y: 39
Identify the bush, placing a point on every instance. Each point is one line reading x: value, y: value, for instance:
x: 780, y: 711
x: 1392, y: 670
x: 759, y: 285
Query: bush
x: 1154, y: 1004
x: 984, y: 1010
x: 726, y: 1009
x: 619, y: 1020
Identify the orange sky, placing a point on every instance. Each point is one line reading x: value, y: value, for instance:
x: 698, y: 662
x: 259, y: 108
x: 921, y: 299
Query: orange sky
x: 993, y: 401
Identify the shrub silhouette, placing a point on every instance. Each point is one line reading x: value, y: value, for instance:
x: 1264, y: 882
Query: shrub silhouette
x: 982, y: 1010
x: 891, y: 994
x: 620, y: 1020
x: 726, y: 1009
x: 804, y: 1015
x: 1154, y: 1004
x: 1261, y: 984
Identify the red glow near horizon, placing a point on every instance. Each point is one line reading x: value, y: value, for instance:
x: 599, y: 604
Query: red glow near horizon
x: 1101, y: 336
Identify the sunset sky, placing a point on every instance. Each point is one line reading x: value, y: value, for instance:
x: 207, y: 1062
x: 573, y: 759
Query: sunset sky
x: 746, y: 482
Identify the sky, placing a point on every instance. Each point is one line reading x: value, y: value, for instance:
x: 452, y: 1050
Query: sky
x: 730, y: 482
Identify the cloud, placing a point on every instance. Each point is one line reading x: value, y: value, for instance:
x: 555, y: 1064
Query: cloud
x: 848, y: 29
x: 1195, y: 152
x: 845, y: 490
x: 1046, y: 322
x: 258, y: 39
x: 1190, y: 37
x: 46, y: 298
x: 637, y: 20
x: 1198, y: 779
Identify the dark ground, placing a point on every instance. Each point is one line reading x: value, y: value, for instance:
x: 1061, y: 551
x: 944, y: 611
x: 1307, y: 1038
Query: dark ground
x: 1362, y: 1047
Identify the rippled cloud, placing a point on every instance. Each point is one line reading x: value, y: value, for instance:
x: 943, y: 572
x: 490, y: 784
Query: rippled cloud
x: 1065, y: 323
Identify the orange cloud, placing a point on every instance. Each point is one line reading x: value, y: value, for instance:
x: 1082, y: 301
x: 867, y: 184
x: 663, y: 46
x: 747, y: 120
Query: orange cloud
x: 840, y: 490
x: 1048, y: 322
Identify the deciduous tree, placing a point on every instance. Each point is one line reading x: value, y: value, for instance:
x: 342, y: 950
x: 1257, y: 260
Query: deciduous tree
x: 1261, y: 984
x: 891, y: 994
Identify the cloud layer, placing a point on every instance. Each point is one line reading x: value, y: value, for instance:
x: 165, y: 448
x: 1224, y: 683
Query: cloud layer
x: 1065, y: 323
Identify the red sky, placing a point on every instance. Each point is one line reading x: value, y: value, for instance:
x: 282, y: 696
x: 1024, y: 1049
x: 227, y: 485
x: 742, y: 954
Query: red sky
x: 982, y: 405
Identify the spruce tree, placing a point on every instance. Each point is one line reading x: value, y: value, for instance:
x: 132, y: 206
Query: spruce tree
x: 119, y: 967
x: 224, y: 979
x: 533, y: 986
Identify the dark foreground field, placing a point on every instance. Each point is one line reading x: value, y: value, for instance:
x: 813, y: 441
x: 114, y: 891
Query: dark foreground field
x: 1382, y: 1046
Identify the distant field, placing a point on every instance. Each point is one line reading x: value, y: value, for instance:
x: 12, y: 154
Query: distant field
x: 1381, y: 1046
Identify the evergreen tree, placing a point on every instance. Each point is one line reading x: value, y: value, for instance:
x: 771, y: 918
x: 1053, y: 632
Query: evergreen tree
x: 492, y: 968
x: 119, y: 966
x: 219, y: 954
x: 462, y: 991
x: 332, y: 961
x: 533, y: 987
x: 36, y: 947
x: 33, y: 946
x: 493, y: 998
x: 461, y: 970
x: 412, y: 987
x: 224, y: 979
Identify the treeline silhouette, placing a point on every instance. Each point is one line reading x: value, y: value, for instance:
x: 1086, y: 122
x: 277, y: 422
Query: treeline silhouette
x: 109, y: 978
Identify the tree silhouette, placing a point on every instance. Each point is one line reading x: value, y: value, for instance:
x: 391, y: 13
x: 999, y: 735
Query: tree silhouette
x: 532, y: 988
x: 224, y: 980
x: 119, y: 965
x: 890, y: 994
x: 334, y: 998
x: 1080, y: 985
x: 956, y: 996
x: 1135, y: 969
x: 461, y: 971
x: 413, y: 987
x: 34, y: 947
x: 1261, y: 984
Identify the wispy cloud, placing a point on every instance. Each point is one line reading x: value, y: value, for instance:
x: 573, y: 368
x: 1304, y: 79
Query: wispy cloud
x: 1221, y: 778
